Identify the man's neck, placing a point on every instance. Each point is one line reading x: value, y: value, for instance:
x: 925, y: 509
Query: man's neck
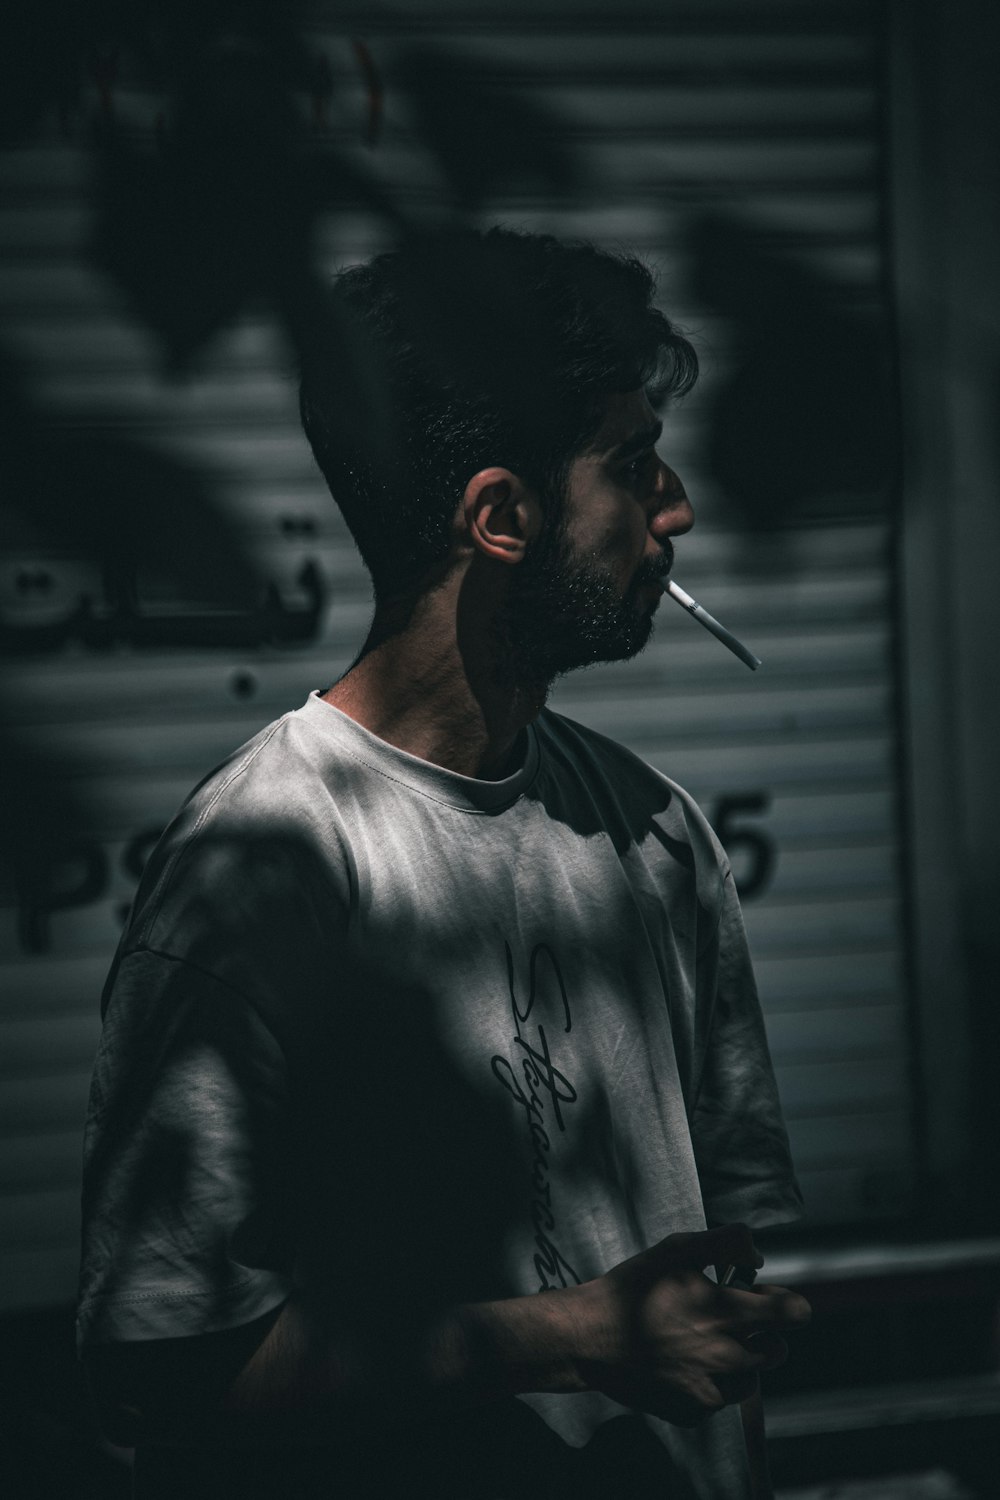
x: 429, y: 682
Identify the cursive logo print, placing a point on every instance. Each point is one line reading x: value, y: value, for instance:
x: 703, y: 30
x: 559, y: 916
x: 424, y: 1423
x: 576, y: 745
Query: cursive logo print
x: 534, y: 1081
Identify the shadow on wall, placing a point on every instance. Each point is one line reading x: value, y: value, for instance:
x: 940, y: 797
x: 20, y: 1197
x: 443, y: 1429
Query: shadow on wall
x: 807, y: 414
x: 205, y: 216
x: 212, y: 211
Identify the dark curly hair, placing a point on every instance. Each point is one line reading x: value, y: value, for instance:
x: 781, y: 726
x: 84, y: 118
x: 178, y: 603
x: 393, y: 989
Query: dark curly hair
x: 466, y: 350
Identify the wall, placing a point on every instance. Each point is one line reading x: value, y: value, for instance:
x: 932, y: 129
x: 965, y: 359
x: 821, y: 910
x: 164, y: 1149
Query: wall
x: 740, y: 149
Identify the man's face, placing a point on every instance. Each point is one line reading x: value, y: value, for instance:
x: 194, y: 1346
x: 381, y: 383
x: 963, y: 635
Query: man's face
x: 588, y: 588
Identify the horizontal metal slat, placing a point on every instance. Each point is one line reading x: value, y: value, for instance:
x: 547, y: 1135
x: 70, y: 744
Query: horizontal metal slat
x: 784, y: 711
x: 45, y: 1276
x: 41, y: 1163
x: 231, y: 399
x: 827, y: 870
x: 38, y: 1219
x: 129, y: 746
x: 778, y: 765
x: 33, y: 1046
x: 89, y: 931
x: 848, y: 1194
x: 772, y: 19
x: 45, y: 168
x: 44, y: 1104
x: 789, y: 981
x: 868, y: 920
x: 712, y: 170
x: 850, y: 1140
x: 144, y: 689
x: 834, y: 1034
x: 643, y: 101
x: 50, y: 986
x: 722, y: 63
x: 273, y: 453
x: 794, y: 820
x: 80, y: 337
x: 809, y: 1090
x: 694, y: 661
x: 62, y: 284
x: 45, y: 227
x: 683, y: 659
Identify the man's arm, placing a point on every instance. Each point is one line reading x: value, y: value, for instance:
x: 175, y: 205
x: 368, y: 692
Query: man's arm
x: 654, y: 1333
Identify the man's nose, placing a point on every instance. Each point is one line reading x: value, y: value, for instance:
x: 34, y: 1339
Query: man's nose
x: 674, y: 513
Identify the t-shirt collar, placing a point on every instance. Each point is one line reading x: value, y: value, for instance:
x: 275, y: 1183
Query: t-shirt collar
x: 466, y: 792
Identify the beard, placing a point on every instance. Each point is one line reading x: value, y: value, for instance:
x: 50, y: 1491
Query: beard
x: 565, y: 612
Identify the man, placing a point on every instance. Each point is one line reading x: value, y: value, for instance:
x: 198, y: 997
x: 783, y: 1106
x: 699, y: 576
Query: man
x: 432, y: 1001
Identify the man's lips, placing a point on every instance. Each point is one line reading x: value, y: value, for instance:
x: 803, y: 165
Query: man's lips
x: 655, y: 574
x: 648, y: 593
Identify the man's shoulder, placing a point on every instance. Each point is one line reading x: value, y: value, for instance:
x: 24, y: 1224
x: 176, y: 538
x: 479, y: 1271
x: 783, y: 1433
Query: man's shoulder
x: 609, y: 757
x: 598, y: 785
x: 642, y: 794
x: 277, y: 772
x: 254, y: 840
x: 289, y: 775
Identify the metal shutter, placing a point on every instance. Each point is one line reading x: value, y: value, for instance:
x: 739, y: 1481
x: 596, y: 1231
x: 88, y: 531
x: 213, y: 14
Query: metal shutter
x: 766, y: 111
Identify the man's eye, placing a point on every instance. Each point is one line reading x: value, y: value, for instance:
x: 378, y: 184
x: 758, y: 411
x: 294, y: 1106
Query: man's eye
x: 637, y: 468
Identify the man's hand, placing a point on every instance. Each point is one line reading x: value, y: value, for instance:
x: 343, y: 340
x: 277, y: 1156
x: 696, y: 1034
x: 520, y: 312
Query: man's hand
x: 655, y: 1333
x: 662, y: 1337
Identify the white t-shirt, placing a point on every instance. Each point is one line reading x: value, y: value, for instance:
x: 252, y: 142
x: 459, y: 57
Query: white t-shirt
x: 409, y: 1039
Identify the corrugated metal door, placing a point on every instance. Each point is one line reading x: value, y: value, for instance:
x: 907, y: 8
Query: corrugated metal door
x: 711, y: 136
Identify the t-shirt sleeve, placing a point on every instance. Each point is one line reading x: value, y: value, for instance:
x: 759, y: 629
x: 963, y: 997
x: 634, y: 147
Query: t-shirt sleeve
x: 186, y: 1223
x: 740, y: 1141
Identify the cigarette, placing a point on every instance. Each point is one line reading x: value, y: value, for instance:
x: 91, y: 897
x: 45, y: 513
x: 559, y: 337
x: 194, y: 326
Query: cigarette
x: 711, y: 623
x: 741, y: 1277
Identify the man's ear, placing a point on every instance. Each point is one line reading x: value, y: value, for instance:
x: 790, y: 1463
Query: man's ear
x: 501, y: 515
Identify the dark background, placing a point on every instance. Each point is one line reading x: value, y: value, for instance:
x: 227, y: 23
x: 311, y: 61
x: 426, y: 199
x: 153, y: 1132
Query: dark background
x: 817, y: 184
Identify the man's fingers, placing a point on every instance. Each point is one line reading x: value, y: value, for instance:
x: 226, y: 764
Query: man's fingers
x: 734, y: 1388
x: 794, y: 1306
x: 769, y: 1346
x: 740, y: 1357
x: 700, y: 1397
x: 766, y: 1307
x: 708, y: 1393
x: 734, y: 1370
